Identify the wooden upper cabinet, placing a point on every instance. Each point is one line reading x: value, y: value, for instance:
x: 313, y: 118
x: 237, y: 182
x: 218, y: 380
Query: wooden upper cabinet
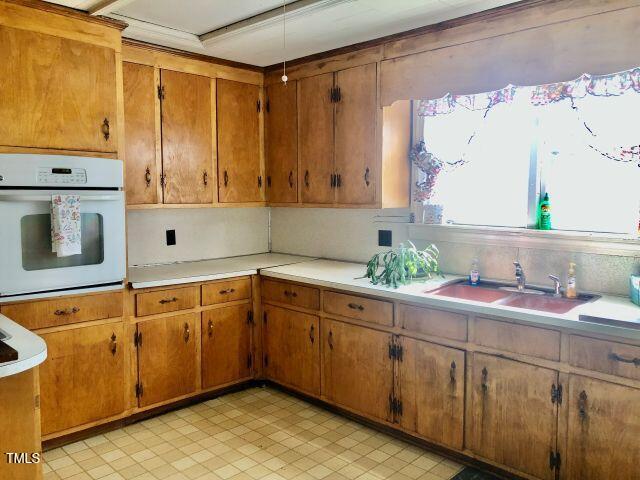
x: 240, y: 176
x: 355, y: 135
x: 513, y: 418
x: 604, y: 428
x: 140, y: 98
x: 316, y: 139
x: 56, y: 93
x: 357, y: 371
x: 81, y: 379
x: 281, y: 121
x: 187, y: 138
x: 167, y: 358
x: 226, y: 345
x: 431, y: 387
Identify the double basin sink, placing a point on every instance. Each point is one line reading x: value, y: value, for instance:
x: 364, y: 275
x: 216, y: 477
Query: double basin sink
x: 531, y: 298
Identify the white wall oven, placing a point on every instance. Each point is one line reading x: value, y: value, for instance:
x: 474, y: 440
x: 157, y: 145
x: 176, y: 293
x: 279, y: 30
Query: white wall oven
x: 29, y: 263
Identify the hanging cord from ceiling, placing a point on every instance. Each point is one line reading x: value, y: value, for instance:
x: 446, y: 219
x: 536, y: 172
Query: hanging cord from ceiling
x: 284, y: 42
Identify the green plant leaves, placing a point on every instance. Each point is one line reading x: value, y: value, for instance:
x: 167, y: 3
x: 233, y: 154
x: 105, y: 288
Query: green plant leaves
x: 402, y: 265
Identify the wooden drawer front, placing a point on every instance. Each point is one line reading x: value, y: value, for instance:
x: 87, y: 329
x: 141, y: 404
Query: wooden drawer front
x: 437, y: 323
x: 64, y: 311
x: 374, y: 311
x: 163, y: 301
x: 282, y: 292
x: 605, y: 357
x: 226, y: 291
x: 534, y: 341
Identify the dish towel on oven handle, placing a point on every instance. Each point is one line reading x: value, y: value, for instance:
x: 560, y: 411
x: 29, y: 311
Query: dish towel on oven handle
x: 66, y: 237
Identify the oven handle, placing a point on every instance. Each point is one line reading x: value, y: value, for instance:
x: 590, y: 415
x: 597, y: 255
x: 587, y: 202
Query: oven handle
x: 47, y: 198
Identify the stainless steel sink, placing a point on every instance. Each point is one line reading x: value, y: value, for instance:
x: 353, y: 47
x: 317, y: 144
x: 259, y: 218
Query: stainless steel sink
x: 4, y: 335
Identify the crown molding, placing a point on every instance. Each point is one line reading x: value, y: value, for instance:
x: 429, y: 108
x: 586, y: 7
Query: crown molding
x: 152, y: 33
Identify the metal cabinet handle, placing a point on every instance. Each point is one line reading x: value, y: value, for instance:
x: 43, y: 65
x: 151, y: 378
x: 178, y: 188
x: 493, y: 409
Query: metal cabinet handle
x: 338, y: 180
x: 582, y: 405
x: 289, y: 293
x: 163, y: 180
x: 306, y: 178
x: 168, y: 300
x: 205, y: 178
x: 147, y: 176
x: 104, y: 128
x: 330, y: 340
x: 187, y: 332
x: 312, y: 334
x: 485, y: 380
x: 114, y: 344
x: 67, y: 311
x: 617, y: 358
x: 259, y: 181
x: 452, y: 372
x: 366, y: 176
x: 355, y: 306
x: 228, y: 290
x: 332, y: 180
x: 226, y: 178
x: 268, y: 181
x: 291, y: 179
x: 210, y: 327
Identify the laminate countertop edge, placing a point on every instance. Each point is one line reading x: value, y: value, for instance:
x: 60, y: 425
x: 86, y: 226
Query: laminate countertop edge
x: 32, y: 349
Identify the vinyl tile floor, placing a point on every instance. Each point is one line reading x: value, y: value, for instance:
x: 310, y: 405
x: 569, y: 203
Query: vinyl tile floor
x: 260, y: 433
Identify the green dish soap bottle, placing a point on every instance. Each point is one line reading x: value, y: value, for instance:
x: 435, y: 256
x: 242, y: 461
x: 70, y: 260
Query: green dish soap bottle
x: 544, y: 213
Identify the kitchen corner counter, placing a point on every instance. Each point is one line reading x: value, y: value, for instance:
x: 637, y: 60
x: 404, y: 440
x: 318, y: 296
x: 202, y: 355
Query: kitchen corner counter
x: 205, y: 270
x: 349, y: 276
x: 32, y: 350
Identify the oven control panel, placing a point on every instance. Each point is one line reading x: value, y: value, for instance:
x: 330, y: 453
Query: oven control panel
x: 62, y: 176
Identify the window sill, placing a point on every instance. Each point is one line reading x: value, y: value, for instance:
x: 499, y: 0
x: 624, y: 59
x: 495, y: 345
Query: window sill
x: 584, y: 242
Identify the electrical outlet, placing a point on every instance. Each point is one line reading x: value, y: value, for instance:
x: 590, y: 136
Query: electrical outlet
x: 171, y: 237
x: 384, y: 238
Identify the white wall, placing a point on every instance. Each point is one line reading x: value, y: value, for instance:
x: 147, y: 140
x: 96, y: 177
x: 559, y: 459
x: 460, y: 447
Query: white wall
x: 201, y: 233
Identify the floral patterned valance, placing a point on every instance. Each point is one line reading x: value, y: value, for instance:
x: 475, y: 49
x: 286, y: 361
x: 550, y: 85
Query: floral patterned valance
x: 597, y: 85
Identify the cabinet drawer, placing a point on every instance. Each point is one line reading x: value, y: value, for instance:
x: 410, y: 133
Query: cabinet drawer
x: 226, y: 291
x: 297, y: 295
x: 65, y: 310
x: 428, y: 321
x: 522, y: 339
x: 605, y: 357
x: 360, y: 308
x: 162, y: 301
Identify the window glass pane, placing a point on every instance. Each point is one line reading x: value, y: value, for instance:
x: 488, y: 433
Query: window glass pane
x: 36, y: 243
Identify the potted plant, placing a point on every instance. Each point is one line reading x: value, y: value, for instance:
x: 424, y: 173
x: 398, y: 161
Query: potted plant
x: 401, y: 265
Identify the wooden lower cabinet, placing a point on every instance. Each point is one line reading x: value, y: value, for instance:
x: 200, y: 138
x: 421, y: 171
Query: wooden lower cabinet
x: 292, y: 348
x: 604, y: 430
x: 81, y: 380
x: 167, y: 358
x: 357, y: 371
x: 431, y: 388
x: 513, y: 420
x: 226, y: 345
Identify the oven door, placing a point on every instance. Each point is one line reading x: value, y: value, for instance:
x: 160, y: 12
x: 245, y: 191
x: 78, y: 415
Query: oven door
x: 27, y: 263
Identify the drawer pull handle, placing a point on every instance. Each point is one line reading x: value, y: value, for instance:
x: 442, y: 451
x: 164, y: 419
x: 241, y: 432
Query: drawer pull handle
x: 582, y: 405
x: 228, y: 290
x: 288, y: 293
x: 485, y: 380
x: 617, y: 358
x: 452, y: 372
x: 366, y: 176
x: 355, y: 306
x: 67, y: 311
x: 312, y: 334
x: 147, y: 176
x: 168, y: 300
x: 210, y: 328
x: 330, y: 339
x: 114, y: 344
x: 187, y: 332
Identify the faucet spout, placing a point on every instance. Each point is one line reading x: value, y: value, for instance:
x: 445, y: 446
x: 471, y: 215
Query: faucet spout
x: 521, y: 279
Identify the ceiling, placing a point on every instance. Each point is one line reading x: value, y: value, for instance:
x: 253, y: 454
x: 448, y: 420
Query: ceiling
x: 251, y: 31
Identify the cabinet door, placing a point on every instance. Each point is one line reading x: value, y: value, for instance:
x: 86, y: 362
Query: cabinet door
x: 281, y: 120
x: 513, y: 419
x: 56, y: 93
x: 167, y: 358
x: 357, y: 370
x: 82, y: 379
x: 604, y: 428
x: 292, y: 348
x: 431, y: 388
x: 356, y: 110
x: 140, y: 133
x: 226, y: 345
x: 315, y: 138
x: 187, y: 138
x: 239, y: 165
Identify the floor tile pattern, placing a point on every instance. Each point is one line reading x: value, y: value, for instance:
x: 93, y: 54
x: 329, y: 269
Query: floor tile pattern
x: 256, y: 434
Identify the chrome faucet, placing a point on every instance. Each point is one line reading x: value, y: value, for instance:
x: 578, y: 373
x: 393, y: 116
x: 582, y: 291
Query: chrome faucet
x: 556, y: 286
x: 521, y: 278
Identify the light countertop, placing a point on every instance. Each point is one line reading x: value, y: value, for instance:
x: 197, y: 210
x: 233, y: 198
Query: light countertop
x: 32, y: 350
x: 348, y: 276
x: 205, y: 270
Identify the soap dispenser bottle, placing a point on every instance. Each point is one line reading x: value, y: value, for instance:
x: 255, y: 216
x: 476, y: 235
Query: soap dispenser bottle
x: 474, y: 274
x: 571, y: 291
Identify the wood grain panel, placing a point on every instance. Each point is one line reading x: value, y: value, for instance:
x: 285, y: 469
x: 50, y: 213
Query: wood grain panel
x: 437, y: 323
x: 163, y: 301
x: 297, y: 295
x: 355, y: 135
x: 226, y: 291
x: 140, y: 128
x: 186, y: 138
x: 360, y: 308
x: 522, y: 339
x: 605, y: 357
x: 56, y: 93
x: 281, y: 122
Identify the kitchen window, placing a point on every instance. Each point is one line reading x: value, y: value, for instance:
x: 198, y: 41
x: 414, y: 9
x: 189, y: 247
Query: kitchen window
x: 487, y: 159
